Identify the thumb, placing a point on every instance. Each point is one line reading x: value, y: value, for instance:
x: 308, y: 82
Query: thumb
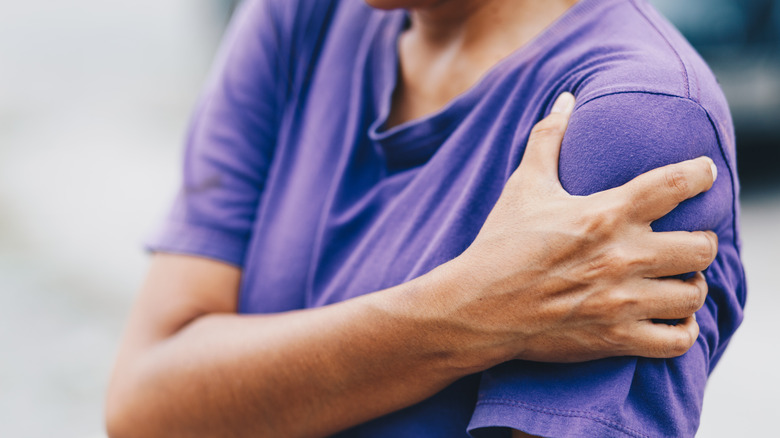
x: 543, y: 150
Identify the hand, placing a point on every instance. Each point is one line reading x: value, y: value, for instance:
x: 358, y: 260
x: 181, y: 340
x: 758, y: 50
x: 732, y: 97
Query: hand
x: 559, y: 278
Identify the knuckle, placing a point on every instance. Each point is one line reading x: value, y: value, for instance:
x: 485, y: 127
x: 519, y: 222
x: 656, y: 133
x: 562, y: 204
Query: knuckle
x: 547, y: 128
x: 602, y: 221
x: 678, y: 345
x: 693, y: 300
x: 705, y: 253
x: 622, y: 303
x: 677, y: 181
x: 603, y: 266
x: 702, y: 289
x: 614, y: 213
x: 599, y: 267
x: 629, y: 303
x: 688, y: 340
x: 583, y: 226
x: 606, y: 307
x: 618, y: 337
x: 513, y: 184
x: 681, y: 344
x: 620, y: 260
x: 630, y: 258
x: 715, y: 243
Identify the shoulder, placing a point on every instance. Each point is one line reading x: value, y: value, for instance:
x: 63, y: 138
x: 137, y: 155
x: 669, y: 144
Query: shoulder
x: 286, y: 22
x: 645, y: 99
x: 616, y: 137
x: 307, y: 22
x: 297, y: 26
x: 624, y: 46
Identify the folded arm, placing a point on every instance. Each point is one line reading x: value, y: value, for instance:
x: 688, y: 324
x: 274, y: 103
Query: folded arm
x: 190, y: 366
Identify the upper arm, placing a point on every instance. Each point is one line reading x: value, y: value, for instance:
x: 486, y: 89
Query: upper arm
x: 231, y: 140
x: 199, y: 249
x: 177, y: 290
x: 614, y: 138
x: 228, y: 152
x: 611, y: 140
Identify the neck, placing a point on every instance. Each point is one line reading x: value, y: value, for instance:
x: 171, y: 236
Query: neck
x: 472, y: 22
x: 451, y: 19
x: 452, y: 43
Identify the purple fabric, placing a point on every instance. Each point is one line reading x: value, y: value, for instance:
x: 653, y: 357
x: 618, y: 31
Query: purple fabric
x: 290, y: 174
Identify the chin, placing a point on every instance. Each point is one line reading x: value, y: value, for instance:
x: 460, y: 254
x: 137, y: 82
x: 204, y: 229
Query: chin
x: 398, y: 4
x: 387, y: 4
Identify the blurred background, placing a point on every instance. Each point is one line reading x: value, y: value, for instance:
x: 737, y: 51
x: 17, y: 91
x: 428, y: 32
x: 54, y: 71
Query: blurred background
x: 94, y: 101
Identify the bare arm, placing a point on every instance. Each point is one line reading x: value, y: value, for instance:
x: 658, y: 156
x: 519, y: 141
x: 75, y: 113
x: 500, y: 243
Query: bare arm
x: 192, y: 367
x: 563, y: 290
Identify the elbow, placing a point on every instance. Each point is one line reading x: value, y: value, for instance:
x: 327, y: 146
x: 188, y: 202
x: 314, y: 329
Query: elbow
x: 126, y: 413
x: 136, y: 406
x: 115, y: 420
x: 119, y: 414
x: 115, y: 428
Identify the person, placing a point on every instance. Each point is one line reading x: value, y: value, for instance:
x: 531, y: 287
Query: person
x: 384, y: 231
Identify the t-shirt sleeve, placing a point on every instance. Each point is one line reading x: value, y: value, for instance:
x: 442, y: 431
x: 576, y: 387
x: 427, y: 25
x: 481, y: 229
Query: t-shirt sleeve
x: 610, y: 140
x: 230, y: 142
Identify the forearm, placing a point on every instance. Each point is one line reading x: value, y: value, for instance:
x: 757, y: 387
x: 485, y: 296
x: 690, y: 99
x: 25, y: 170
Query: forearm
x: 562, y: 290
x: 304, y: 373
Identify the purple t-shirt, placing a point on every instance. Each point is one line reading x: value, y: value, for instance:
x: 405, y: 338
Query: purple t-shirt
x: 291, y: 174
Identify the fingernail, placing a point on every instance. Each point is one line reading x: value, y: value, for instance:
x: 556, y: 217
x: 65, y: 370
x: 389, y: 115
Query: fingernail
x: 564, y: 103
x: 714, y: 169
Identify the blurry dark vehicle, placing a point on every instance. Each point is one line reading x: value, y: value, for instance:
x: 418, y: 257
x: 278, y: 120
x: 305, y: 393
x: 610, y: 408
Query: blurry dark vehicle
x: 225, y: 8
x: 231, y: 4
x: 740, y: 39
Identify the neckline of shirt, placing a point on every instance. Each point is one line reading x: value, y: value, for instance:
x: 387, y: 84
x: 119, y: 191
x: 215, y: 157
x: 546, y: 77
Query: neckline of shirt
x: 414, y: 141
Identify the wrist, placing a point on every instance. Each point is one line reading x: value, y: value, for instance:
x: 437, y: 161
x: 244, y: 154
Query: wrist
x: 440, y: 305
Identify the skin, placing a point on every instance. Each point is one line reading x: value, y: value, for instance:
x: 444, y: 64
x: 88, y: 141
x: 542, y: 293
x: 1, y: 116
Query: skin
x: 581, y: 282
x: 564, y: 290
x: 451, y: 44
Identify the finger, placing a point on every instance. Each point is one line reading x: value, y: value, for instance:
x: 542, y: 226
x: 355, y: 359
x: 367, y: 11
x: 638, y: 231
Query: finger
x: 672, y: 298
x: 661, y: 341
x: 657, y: 192
x: 540, y: 160
x: 678, y: 252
